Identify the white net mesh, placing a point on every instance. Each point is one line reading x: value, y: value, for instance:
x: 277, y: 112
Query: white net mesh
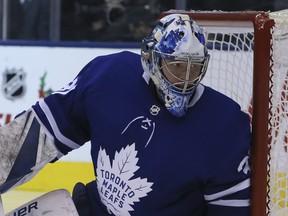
x: 278, y: 117
x: 231, y: 65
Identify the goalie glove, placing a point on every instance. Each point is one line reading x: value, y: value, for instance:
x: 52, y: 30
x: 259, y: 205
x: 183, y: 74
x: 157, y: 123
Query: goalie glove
x: 25, y: 148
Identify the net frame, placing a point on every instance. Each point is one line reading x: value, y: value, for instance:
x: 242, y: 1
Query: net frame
x: 262, y: 25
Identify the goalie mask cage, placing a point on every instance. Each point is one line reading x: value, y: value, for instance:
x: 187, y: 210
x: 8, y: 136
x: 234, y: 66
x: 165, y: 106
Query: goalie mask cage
x: 249, y: 63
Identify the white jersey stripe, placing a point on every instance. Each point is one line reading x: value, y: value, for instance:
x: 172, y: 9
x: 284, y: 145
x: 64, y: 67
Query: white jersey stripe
x: 241, y: 186
x: 231, y: 203
x: 71, y: 144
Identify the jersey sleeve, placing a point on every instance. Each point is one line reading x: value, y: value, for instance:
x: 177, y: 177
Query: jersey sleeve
x: 63, y: 113
x: 68, y: 113
x: 227, y: 192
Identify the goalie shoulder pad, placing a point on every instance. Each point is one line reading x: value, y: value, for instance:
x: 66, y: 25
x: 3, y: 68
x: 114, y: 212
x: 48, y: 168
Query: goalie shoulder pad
x: 25, y: 148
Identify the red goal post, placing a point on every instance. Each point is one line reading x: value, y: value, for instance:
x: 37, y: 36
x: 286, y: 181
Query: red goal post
x: 249, y: 63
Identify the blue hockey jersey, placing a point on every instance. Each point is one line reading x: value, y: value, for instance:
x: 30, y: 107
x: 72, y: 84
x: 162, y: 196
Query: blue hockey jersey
x: 147, y: 161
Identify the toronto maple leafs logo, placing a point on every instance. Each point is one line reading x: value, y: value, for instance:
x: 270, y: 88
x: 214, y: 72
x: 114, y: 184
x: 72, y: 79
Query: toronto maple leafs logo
x: 117, y: 189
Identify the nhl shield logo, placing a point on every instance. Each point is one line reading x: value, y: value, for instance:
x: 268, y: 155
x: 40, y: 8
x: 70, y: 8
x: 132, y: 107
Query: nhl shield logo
x: 13, y: 83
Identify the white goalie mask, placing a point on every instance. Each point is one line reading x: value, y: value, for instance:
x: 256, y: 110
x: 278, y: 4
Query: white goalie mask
x: 176, y: 58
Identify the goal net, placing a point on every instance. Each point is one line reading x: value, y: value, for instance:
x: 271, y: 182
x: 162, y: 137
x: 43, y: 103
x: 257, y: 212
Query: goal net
x: 249, y: 63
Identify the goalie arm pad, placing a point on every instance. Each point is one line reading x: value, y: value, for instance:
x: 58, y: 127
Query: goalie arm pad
x: 25, y: 148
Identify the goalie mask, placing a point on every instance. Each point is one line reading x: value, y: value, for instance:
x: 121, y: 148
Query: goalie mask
x: 176, y: 58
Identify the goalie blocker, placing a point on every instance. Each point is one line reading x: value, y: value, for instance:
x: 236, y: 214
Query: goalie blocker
x: 25, y: 148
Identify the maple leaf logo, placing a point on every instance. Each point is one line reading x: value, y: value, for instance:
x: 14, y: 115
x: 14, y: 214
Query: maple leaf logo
x: 117, y: 189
